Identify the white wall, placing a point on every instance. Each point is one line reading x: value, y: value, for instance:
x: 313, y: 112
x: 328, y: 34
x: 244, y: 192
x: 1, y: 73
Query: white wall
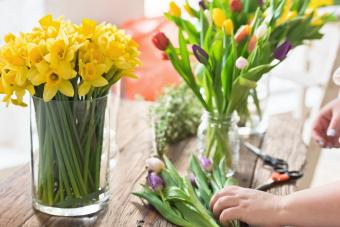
x: 114, y: 11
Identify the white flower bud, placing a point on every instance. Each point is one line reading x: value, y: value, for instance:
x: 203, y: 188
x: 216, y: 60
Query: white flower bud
x: 261, y: 31
x: 241, y: 63
x: 155, y: 165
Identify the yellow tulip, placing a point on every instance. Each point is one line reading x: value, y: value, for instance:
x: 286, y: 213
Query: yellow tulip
x: 218, y: 17
x: 174, y: 10
x: 228, y: 26
x: 189, y: 10
x: 55, y: 83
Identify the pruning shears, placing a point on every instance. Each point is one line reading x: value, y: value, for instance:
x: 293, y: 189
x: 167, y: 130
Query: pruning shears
x: 281, y: 173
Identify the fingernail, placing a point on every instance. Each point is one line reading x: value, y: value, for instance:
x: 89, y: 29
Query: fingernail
x: 321, y: 143
x: 331, y: 132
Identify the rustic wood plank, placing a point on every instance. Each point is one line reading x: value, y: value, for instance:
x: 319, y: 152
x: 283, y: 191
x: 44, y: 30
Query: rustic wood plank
x: 283, y: 140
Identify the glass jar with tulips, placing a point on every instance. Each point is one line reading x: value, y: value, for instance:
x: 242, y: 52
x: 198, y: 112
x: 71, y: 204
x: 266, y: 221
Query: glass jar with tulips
x: 235, y: 43
x: 69, y: 70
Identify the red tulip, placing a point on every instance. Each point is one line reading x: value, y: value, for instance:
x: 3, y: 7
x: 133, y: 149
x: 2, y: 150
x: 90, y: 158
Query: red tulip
x: 236, y: 5
x: 161, y: 41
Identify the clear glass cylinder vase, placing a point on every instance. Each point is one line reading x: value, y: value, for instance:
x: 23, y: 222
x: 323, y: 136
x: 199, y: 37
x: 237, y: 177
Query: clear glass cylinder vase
x: 218, y: 139
x: 70, y: 149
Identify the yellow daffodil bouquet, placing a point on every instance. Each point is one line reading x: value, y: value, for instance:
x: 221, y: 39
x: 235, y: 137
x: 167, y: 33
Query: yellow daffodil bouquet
x: 69, y: 70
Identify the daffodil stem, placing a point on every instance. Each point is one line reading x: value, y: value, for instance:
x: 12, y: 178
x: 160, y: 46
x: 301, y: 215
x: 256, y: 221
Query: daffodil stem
x: 69, y: 159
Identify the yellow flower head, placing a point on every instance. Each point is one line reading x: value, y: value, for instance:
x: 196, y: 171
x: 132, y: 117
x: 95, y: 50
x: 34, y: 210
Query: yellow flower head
x: 315, y: 4
x: 57, y: 51
x: 228, y: 26
x: 55, y: 83
x: 174, y: 10
x: 189, y: 10
x: 218, y: 17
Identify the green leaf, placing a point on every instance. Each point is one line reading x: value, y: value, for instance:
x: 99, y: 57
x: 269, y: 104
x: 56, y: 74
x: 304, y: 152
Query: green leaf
x: 247, y: 83
x: 166, y: 211
x: 171, y: 169
x: 184, y: 51
x: 191, y: 214
x: 202, y: 180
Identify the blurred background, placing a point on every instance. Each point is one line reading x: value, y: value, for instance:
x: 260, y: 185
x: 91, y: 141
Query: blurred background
x: 297, y: 86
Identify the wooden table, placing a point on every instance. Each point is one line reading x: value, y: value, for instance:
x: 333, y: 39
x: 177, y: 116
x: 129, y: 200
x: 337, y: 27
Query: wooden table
x: 283, y: 140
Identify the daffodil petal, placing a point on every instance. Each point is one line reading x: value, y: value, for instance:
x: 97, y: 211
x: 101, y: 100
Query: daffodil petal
x: 66, y: 88
x: 84, y: 88
x: 49, y: 92
x: 100, y: 82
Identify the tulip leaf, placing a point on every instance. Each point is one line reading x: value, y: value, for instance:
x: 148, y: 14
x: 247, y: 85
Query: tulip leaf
x: 184, y: 52
x: 247, y: 83
x: 173, y: 172
x: 202, y: 180
x: 191, y: 214
x: 165, y: 210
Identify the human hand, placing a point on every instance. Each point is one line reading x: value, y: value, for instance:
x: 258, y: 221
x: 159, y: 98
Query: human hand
x: 247, y: 205
x: 326, y: 129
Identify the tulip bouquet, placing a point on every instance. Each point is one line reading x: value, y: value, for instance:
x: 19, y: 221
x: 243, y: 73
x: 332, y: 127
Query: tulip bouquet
x: 234, y: 43
x: 184, y: 201
x: 68, y: 69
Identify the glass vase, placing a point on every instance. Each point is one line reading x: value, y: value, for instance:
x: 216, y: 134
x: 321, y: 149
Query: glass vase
x: 70, y: 149
x: 218, y: 139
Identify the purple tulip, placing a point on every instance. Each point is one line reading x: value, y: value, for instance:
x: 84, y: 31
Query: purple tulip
x: 200, y: 54
x: 202, y: 5
x: 260, y: 2
x: 192, y: 179
x: 281, y: 51
x: 155, y: 181
x: 206, y: 164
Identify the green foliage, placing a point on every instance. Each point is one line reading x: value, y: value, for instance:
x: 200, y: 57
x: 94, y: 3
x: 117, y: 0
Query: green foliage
x: 176, y: 114
x: 182, y: 204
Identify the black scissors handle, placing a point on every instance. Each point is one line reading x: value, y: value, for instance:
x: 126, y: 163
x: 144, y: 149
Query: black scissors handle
x: 294, y: 175
x: 278, y: 165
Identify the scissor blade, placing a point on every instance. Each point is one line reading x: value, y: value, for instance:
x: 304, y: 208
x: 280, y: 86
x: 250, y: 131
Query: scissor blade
x: 254, y: 149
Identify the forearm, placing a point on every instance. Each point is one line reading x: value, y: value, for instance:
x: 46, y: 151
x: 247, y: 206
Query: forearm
x: 312, y: 207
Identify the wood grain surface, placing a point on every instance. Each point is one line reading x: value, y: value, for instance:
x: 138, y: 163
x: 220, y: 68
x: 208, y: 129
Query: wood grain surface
x: 283, y: 140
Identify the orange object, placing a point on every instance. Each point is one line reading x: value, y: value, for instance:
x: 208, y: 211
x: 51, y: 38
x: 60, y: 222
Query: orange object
x: 156, y: 72
x: 278, y: 177
x: 252, y: 44
x: 242, y: 33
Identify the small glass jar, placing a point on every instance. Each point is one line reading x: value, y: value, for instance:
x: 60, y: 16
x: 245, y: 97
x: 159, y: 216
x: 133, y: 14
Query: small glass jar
x: 70, y: 153
x: 218, y: 139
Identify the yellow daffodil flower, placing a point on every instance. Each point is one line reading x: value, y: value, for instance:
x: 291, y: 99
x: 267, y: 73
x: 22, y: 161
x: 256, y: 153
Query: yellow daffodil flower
x: 92, y: 77
x: 218, y: 17
x: 174, y: 10
x: 228, y: 26
x: 55, y: 83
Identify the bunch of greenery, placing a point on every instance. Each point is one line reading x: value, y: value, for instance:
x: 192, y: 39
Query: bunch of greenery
x: 184, y: 201
x: 176, y: 116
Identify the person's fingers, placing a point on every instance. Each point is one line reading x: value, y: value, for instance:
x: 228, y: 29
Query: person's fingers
x: 334, y: 126
x: 319, y: 131
x: 229, y: 190
x: 230, y: 214
x: 224, y: 203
